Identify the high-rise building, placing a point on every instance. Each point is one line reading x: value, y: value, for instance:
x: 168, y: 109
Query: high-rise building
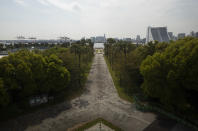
x: 196, y: 34
x: 100, y: 39
x: 192, y: 33
x: 181, y: 35
x: 143, y: 40
x: 170, y: 34
x: 93, y: 39
x: 159, y: 34
x: 138, y: 39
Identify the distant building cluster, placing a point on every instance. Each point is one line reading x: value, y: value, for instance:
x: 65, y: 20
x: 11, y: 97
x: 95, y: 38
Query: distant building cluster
x: 194, y: 34
x: 161, y: 34
x: 98, y: 39
x: 137, y: 40
x: 181, y: 35
x: 24, y: 40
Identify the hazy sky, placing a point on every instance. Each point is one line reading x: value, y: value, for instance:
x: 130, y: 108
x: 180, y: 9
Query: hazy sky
x: 78, y: 18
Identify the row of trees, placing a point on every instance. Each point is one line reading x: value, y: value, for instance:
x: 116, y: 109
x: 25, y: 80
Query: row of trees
x: 53, y: 72
x: 171, y: 77
x: 77, y: 59
x: 125, y: 60
x: 43, y: 45
x: 166, y: 73
x: 118, y: 56
x: 25, y: 74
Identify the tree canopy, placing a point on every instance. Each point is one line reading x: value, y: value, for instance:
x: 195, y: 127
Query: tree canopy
x: 164, y: 74
x: 52, y: 72
x: 174, y: 70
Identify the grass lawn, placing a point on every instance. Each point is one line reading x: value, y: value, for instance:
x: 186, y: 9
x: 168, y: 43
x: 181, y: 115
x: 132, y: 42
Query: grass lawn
x: 94, y: 122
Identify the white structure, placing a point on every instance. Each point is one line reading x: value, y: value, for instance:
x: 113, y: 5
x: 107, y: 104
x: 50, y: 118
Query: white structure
x: 1, y: 56
x: 98, y: 45
x: 159, y: 34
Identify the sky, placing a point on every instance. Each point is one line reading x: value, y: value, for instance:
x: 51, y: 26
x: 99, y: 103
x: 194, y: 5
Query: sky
x: 50, y: 19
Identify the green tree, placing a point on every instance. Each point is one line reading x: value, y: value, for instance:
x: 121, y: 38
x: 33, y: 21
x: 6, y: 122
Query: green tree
x: 174, y: 70
x: 4, y: 98
x: 111, y: 41
x: 57, y: 75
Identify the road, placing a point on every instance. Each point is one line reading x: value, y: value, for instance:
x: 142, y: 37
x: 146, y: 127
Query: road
x: 100, y: 99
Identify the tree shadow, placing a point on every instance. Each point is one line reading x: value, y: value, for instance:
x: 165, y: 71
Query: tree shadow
x: 163, y: 123
x: 22, y: 122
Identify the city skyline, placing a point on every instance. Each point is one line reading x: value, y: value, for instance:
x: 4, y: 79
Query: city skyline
x: 48, y: 19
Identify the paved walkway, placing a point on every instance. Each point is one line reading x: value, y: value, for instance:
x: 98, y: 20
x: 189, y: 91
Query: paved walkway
x: 99, y: 100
